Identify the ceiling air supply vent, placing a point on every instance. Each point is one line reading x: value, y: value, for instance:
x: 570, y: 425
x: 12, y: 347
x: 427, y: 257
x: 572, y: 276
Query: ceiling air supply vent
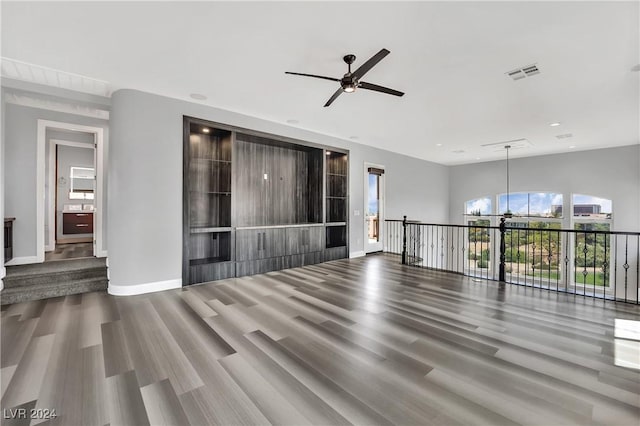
x: 565, y: 136
x: 520, y: 73
x: 499, y: 146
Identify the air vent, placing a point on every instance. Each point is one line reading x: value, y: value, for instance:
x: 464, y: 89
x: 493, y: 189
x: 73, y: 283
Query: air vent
x: 458, y: 151
x: 520, y: 73
x: 499, y: 146
x: 565, y: 136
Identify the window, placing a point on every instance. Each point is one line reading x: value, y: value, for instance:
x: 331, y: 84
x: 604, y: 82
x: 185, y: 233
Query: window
x: 593, y: 246
x: 479, y: 206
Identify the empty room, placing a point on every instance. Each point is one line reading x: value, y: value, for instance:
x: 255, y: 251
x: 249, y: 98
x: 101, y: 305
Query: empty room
x: 320, y: 213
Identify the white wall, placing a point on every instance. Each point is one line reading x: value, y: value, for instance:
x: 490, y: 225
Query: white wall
x: 607, y: 173
x: 145, y: 238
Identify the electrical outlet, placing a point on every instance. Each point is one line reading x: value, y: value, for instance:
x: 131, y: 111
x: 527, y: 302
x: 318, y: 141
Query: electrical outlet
x: 356, y: 212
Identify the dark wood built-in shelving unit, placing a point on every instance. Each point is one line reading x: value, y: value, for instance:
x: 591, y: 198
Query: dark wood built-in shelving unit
x: 255, y: 202
x: 337, y: 168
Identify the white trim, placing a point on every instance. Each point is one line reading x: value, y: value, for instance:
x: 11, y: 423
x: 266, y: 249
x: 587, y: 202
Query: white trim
x: 355, y: 254
x: 65, y: 107
x: 130, y: 290
x: 24, y: 260
x: 40, y: 181
x: 3, y: 273
x: 53, y: 185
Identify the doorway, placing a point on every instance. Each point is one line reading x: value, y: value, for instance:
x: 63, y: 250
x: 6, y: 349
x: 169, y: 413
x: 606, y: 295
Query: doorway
x: 374, y: 208
x: 84, y: 187
x: 71, y: 181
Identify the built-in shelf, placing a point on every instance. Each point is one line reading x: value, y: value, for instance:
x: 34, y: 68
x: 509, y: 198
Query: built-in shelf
x: 207, y: 229
x: 206, y: 260
x: 282, y: 193
x: 209, y: 238
x: 212, y: 160
x: 336, y: 200
x: 211, y: 192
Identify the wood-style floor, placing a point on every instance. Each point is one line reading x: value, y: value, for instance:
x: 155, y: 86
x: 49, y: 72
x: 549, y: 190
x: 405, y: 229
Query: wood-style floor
x: 361, y: 341
x: 69, y: 251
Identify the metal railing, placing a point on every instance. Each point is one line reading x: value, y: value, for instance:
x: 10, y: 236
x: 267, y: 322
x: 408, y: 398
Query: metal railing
x: 586, y: 262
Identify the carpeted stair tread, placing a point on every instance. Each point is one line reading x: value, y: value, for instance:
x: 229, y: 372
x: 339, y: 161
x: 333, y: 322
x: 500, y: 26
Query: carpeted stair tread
x: 55, y: 267
x: 45, y: 291
x: 25, y: 280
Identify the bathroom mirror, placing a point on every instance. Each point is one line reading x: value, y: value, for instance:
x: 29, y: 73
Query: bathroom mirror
x: 81, y: 183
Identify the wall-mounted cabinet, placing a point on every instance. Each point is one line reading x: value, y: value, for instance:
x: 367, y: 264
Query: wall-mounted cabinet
x: 255, y: 203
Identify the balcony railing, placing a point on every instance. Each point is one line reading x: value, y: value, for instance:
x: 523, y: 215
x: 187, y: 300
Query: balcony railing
x: 590, y: 263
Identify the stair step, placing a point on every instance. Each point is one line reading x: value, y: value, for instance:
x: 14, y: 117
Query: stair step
x: 55, y: 267
x: 46, y: 291
x: 61, y: 277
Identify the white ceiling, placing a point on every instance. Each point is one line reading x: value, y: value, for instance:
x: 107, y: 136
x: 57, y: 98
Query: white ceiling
x: 449, y: 57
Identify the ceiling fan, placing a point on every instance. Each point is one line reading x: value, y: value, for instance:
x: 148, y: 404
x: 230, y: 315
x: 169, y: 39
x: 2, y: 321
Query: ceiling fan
x: 351, y: 80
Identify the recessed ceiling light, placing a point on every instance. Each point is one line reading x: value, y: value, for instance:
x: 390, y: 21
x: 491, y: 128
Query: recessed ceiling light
x: 477, y: 158
x: 205, y: 130
x: 292, y: 121
x: 198, y: 97
x: 554, y: 124
x: 571, y: 146
x: 438, y: 144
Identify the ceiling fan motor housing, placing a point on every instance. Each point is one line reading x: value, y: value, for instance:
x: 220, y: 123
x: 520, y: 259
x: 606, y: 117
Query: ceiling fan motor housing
x: 348, y: 83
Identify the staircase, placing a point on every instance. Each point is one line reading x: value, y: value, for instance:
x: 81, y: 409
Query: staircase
x: 52, y: 279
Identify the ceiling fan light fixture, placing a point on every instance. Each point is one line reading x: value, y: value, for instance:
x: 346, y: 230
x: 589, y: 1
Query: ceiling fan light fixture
x: 349, y: 88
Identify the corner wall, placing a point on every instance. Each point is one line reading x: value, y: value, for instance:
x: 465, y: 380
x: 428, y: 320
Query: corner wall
x: 145, y: 237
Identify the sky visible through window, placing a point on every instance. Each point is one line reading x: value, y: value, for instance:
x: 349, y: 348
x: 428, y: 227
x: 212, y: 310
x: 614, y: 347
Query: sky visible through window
x: 532, y: 203
x: 373, y: 195
x: 482, y: 205
x: 605, y: 205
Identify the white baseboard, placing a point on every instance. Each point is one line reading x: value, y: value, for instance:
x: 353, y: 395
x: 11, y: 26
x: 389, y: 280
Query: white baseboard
x: 130, y: 290
x: 24, y: 260
x: 356, y: 254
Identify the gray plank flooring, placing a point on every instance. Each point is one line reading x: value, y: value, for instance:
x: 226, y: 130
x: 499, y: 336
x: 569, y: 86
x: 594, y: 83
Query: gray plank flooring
x: 356, y: 341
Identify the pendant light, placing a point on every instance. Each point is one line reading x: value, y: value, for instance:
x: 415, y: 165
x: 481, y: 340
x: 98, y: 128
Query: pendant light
x: 507, y: 214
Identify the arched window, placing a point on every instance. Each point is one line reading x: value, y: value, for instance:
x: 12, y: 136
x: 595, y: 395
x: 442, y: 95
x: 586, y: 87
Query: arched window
x: 478, y: 207
x: 538, y: 204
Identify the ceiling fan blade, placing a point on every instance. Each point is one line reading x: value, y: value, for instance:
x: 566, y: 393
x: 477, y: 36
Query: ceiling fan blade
x: 333, y: 98
x: 357, y: 74
x: 313, y: 75
x: 375, y: 87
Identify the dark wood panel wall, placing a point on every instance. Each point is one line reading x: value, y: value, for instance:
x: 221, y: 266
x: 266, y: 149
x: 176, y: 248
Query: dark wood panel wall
x: 291, y: 192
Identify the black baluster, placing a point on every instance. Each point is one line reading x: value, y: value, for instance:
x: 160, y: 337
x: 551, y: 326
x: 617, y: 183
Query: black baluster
x: 404, y: 240
x: 503, y: 244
